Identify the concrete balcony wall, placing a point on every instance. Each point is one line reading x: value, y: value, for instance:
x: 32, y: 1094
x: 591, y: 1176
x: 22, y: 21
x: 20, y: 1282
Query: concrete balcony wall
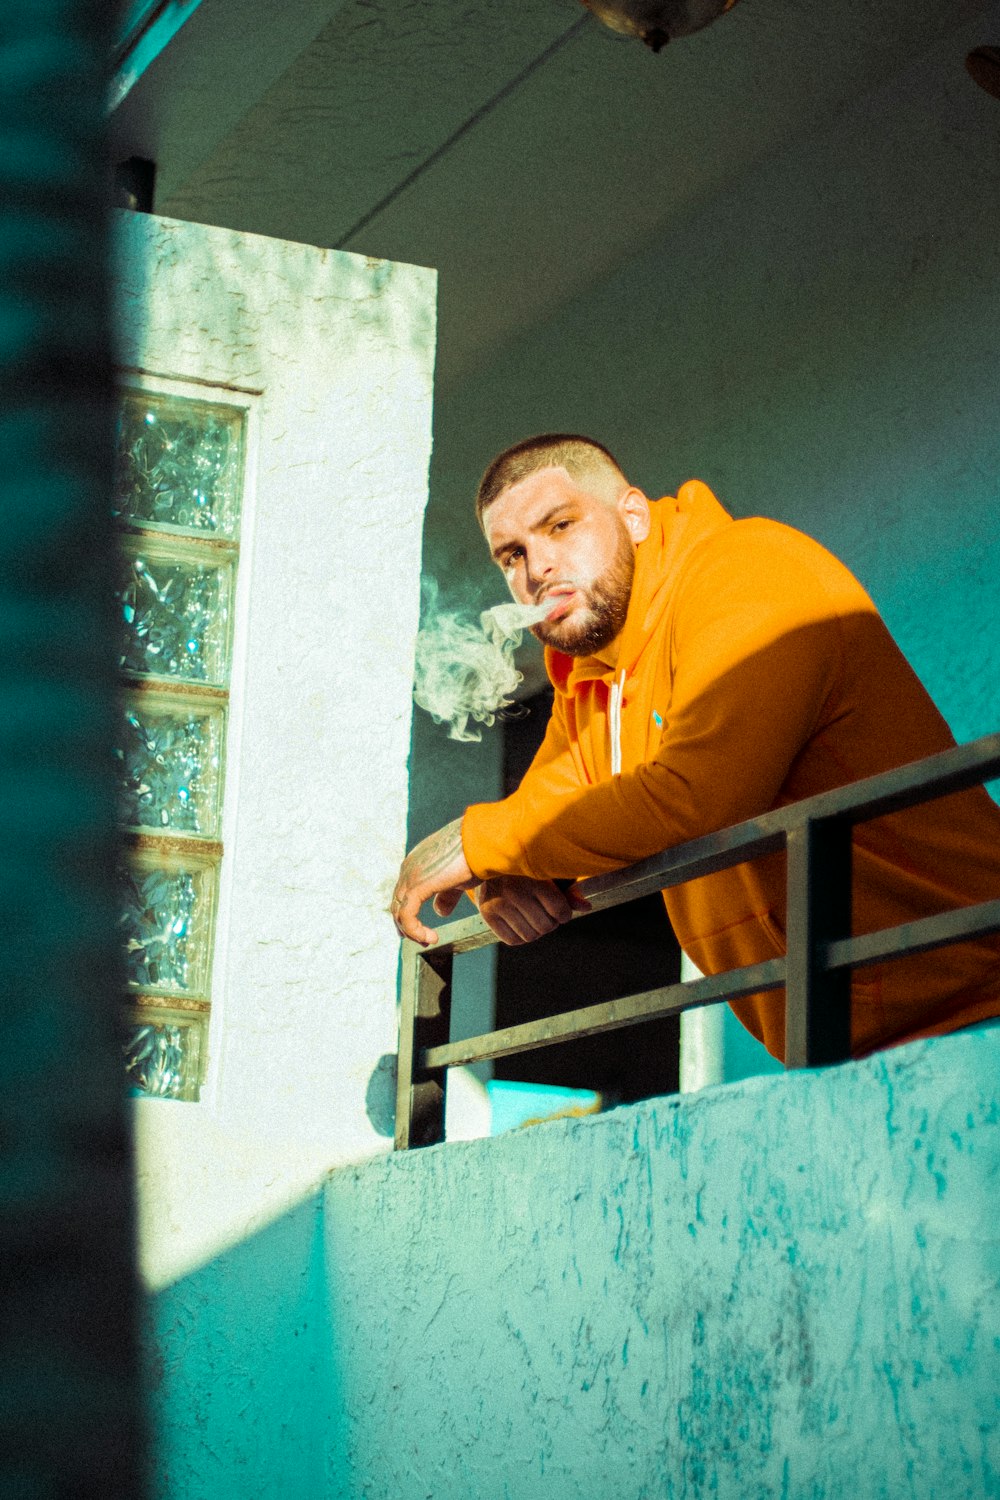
x: 785, y: 1286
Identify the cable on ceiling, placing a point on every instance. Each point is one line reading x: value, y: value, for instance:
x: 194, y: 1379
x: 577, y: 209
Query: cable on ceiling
x: 463, y: 129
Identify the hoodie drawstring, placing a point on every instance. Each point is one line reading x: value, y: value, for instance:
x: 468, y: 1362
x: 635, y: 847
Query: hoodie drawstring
x: 615, y: 724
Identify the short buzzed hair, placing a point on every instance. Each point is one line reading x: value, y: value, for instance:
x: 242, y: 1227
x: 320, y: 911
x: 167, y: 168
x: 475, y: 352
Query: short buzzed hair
x: 582, y: 457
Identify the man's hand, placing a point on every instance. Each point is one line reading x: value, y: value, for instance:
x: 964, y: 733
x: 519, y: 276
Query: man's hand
x: 519, y: 909
x: 436, y: 867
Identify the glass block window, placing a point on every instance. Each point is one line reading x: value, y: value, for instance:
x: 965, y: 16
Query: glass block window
x: 167, y: 910
x: 179, y: 466
x: 178, y: 492
x: 176, y: 610
x: 163, y: 1055
x: 170, y: 755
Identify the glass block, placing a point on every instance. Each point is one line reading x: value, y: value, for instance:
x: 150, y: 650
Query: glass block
x: 179, y: 462
x: 163, y: 1056
x: 170, y: 766
x: 176, y: 616
x: 166, y: 921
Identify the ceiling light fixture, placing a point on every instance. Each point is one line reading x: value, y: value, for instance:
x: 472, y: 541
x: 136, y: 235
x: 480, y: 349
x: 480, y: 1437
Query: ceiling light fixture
x: 657, y: 22
x: 984, y: 67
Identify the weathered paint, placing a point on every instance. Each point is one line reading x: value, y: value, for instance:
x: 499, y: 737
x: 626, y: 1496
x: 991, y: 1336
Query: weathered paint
x: 780, y: 1287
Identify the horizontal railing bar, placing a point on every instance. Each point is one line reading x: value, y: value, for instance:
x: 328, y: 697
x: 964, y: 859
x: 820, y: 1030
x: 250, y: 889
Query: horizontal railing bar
x: 590, y: 1020
x: 890, y: 791
x: 462, y: 937
x: 914, y: 937
x: 684, y: 862
x: 704, y: 856
x: 906, y: 786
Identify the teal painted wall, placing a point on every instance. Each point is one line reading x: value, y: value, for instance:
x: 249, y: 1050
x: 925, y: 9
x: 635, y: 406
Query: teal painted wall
x: 780, y: 1287
x: 242, y: 1370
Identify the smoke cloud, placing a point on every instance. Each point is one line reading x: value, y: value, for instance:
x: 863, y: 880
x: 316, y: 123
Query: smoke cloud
x: 465, y: 667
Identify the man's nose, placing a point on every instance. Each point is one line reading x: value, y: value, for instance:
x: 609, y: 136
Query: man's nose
x: 541, y: 564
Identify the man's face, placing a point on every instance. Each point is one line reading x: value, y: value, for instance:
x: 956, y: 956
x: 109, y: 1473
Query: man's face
x: 554, y: 541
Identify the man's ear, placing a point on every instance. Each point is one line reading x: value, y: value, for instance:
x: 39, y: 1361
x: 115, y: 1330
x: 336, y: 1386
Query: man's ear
x: 633, y: 507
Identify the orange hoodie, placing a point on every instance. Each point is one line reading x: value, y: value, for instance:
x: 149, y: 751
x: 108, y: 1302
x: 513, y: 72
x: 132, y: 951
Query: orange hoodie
x: 753, y: 670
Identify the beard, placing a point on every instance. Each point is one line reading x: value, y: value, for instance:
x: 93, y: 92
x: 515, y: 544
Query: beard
x: 594, y: 624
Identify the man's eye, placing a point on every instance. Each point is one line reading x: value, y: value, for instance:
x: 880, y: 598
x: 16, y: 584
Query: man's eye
x: 561, y: 525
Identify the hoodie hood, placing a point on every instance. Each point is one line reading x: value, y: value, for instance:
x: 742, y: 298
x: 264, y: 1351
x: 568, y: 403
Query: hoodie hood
x: 677, y: 525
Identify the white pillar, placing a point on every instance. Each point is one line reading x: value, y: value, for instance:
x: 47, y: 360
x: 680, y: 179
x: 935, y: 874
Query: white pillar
x: 703, y: 1045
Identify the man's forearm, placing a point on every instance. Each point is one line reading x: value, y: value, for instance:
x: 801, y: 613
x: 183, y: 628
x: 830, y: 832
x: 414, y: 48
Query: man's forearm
x: 436, y: 867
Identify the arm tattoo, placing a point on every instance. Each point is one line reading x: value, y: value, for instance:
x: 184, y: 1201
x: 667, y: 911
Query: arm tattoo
x: 438, y: 850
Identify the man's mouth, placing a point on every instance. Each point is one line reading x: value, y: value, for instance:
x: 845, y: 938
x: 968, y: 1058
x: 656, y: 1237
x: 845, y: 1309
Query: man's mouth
x: 561, y: 599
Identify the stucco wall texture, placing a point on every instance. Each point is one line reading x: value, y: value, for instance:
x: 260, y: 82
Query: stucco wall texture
x: 780, y: 1287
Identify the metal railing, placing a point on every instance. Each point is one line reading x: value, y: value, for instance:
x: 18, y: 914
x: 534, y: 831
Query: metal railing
x: 816, y: 972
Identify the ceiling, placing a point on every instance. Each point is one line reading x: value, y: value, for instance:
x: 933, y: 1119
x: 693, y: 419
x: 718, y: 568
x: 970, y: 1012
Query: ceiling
x: 522, y: 149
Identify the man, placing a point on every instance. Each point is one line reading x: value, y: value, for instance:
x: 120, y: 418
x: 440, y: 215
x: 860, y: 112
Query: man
x: 707, y: 670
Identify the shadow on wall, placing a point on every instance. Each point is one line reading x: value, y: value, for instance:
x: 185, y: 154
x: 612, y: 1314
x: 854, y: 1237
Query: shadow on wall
x: 240, y: 1358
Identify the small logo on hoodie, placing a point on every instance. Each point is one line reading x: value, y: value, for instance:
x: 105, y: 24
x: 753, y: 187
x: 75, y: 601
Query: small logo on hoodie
x: 657, y: 719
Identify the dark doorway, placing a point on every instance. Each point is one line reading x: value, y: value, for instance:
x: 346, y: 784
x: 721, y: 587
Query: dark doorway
x: 601, y: 957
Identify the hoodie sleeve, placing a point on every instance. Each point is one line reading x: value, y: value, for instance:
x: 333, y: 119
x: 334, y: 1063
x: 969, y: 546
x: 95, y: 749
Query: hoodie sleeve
x: 495, y: 835
x: 758, y: 654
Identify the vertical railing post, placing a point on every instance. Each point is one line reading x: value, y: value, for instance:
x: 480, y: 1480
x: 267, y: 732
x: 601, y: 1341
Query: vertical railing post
x: 817, y: 1001
x: 424, y: 1020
